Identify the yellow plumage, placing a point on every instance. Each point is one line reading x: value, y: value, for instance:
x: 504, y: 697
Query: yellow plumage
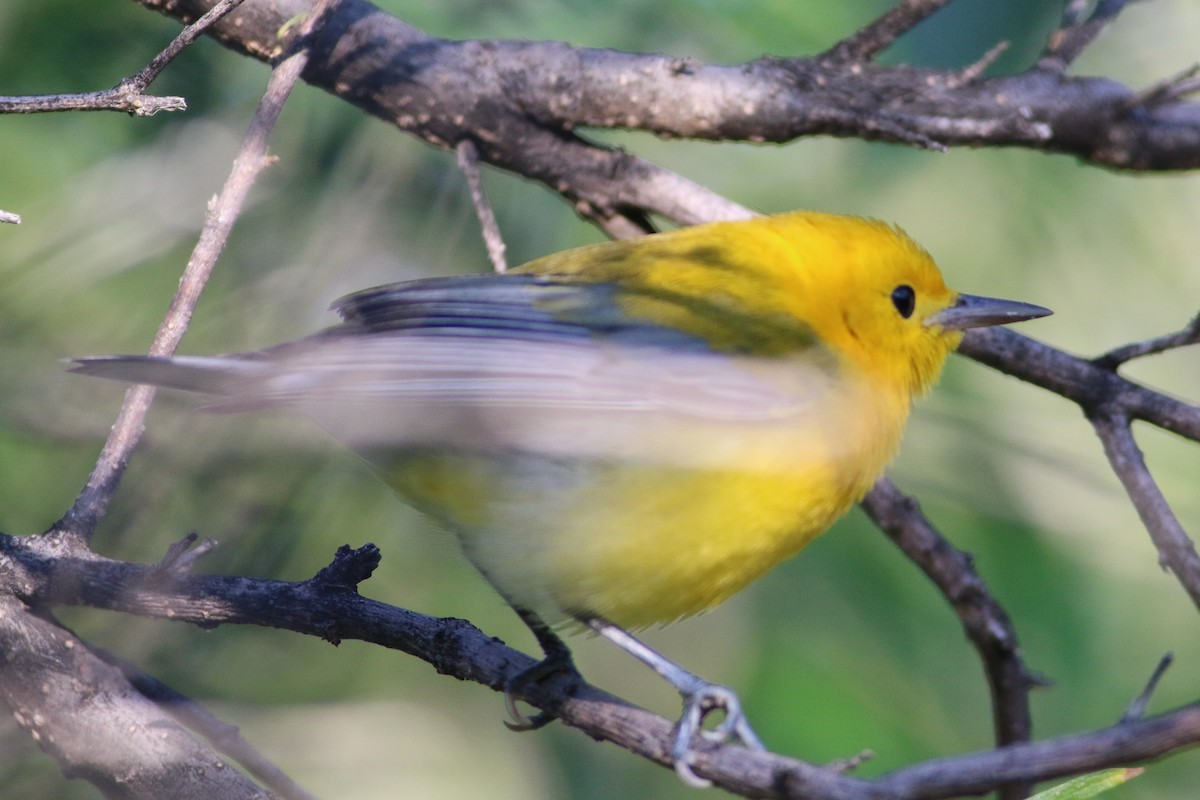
x: 639, y: 533
x: 629, y: 432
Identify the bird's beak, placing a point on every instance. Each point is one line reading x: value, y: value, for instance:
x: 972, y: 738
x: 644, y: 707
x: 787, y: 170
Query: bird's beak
x: 972, y: 311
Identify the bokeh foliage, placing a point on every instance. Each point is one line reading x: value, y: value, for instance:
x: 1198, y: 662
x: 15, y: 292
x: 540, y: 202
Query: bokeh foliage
x: 843, y: 649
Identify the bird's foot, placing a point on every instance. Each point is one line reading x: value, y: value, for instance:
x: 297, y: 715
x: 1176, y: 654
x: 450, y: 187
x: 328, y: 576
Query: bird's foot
x: 698, y: 702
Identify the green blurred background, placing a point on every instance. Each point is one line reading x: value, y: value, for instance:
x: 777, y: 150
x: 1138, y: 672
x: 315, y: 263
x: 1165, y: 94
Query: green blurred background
x: 845, y: 649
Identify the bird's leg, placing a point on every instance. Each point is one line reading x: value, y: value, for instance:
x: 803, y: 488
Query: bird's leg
x: 700, y: 698
x: 557, y: 659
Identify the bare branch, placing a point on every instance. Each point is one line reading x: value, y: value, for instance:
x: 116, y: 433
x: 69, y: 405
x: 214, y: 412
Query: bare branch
x: 1118, y: 746
x: 1171, y: 90
x: 83, y: 517
x: 1110, y: 402
x: 1176, y: 550
x: 335, y: 612
x: 973, y: 72
x: 1190, y: 334
x: 880, y: 34
x: 119, y: 98
x: 521, y: 102
x: 1137, y: 709
x: 468, y: 162
x: 100, y: 728
x: 984, y: 621
x: 1074, y: 35
x: 128, y: 95
x: 1078, y: 379
x: 225, y: 738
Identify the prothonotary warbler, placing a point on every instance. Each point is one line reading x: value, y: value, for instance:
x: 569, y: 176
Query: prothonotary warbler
x: 627, y: 433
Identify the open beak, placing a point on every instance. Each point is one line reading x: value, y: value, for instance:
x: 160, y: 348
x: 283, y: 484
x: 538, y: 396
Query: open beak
x: 972, y: 311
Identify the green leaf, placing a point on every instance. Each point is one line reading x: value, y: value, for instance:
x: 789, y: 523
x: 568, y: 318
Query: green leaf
x: 1086, y: 786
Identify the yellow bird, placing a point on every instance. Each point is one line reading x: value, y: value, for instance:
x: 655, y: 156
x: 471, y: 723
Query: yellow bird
x: 627, y: 433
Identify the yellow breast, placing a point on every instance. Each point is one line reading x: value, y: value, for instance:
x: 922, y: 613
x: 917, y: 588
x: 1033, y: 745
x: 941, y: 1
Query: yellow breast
x: 640, y: 541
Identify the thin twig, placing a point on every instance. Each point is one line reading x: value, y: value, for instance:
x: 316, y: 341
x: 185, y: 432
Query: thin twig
x: 1167, y: 91
x: 1189, y: 334
x: 880, y: 34
x: 972, y: 72
x: 984, y: 620
x: 83, y: 517
x: 1137, y: 709
x: 182, y: 555
x: 1074, y: 33
x: 118, y: 98
x: 128, y: 95
x: 1176, y: 550
x: 186, y: 37
x: 468, y: 162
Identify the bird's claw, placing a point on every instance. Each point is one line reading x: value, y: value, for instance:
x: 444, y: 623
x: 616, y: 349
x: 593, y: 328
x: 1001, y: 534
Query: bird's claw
x: 697, y: 705
x: 523, y: 722
x: 551, y: 664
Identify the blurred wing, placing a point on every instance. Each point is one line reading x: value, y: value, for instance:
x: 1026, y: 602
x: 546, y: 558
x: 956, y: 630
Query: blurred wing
x: 491, y: 361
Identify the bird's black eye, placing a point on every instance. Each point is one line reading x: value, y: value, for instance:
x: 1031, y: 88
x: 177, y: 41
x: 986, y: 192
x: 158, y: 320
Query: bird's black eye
x: 904, y: 299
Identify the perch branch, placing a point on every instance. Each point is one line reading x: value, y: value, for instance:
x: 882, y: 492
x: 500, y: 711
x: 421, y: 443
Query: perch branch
x: 333, y: 609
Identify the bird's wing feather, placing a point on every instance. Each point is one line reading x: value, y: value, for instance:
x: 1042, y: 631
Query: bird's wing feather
x: 524, y: 307
x: 505, y: 359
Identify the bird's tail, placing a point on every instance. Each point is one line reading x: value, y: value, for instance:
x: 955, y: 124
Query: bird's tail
x: 223, y: 375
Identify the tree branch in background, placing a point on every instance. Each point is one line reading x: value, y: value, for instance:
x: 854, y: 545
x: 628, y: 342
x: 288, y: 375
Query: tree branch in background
x: 130, y: 94
x: 517, y: 105
x: 50, y: 680
x: 85, y: 515
x: 522, y: 101
x: 984, y: 621
x: 1076, y: 32
x: 1111, y: 403
x: 223, y: 737
x: 879, y: 35
x: 68, y: 699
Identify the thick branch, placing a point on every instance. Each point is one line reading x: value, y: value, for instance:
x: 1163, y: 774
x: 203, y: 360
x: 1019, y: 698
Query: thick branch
x: 85, y: 714
x: 521, y: 101
x: 224, y: 737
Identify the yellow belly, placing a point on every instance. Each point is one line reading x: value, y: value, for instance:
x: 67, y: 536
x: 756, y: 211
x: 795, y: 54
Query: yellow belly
x: 637, y: 544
